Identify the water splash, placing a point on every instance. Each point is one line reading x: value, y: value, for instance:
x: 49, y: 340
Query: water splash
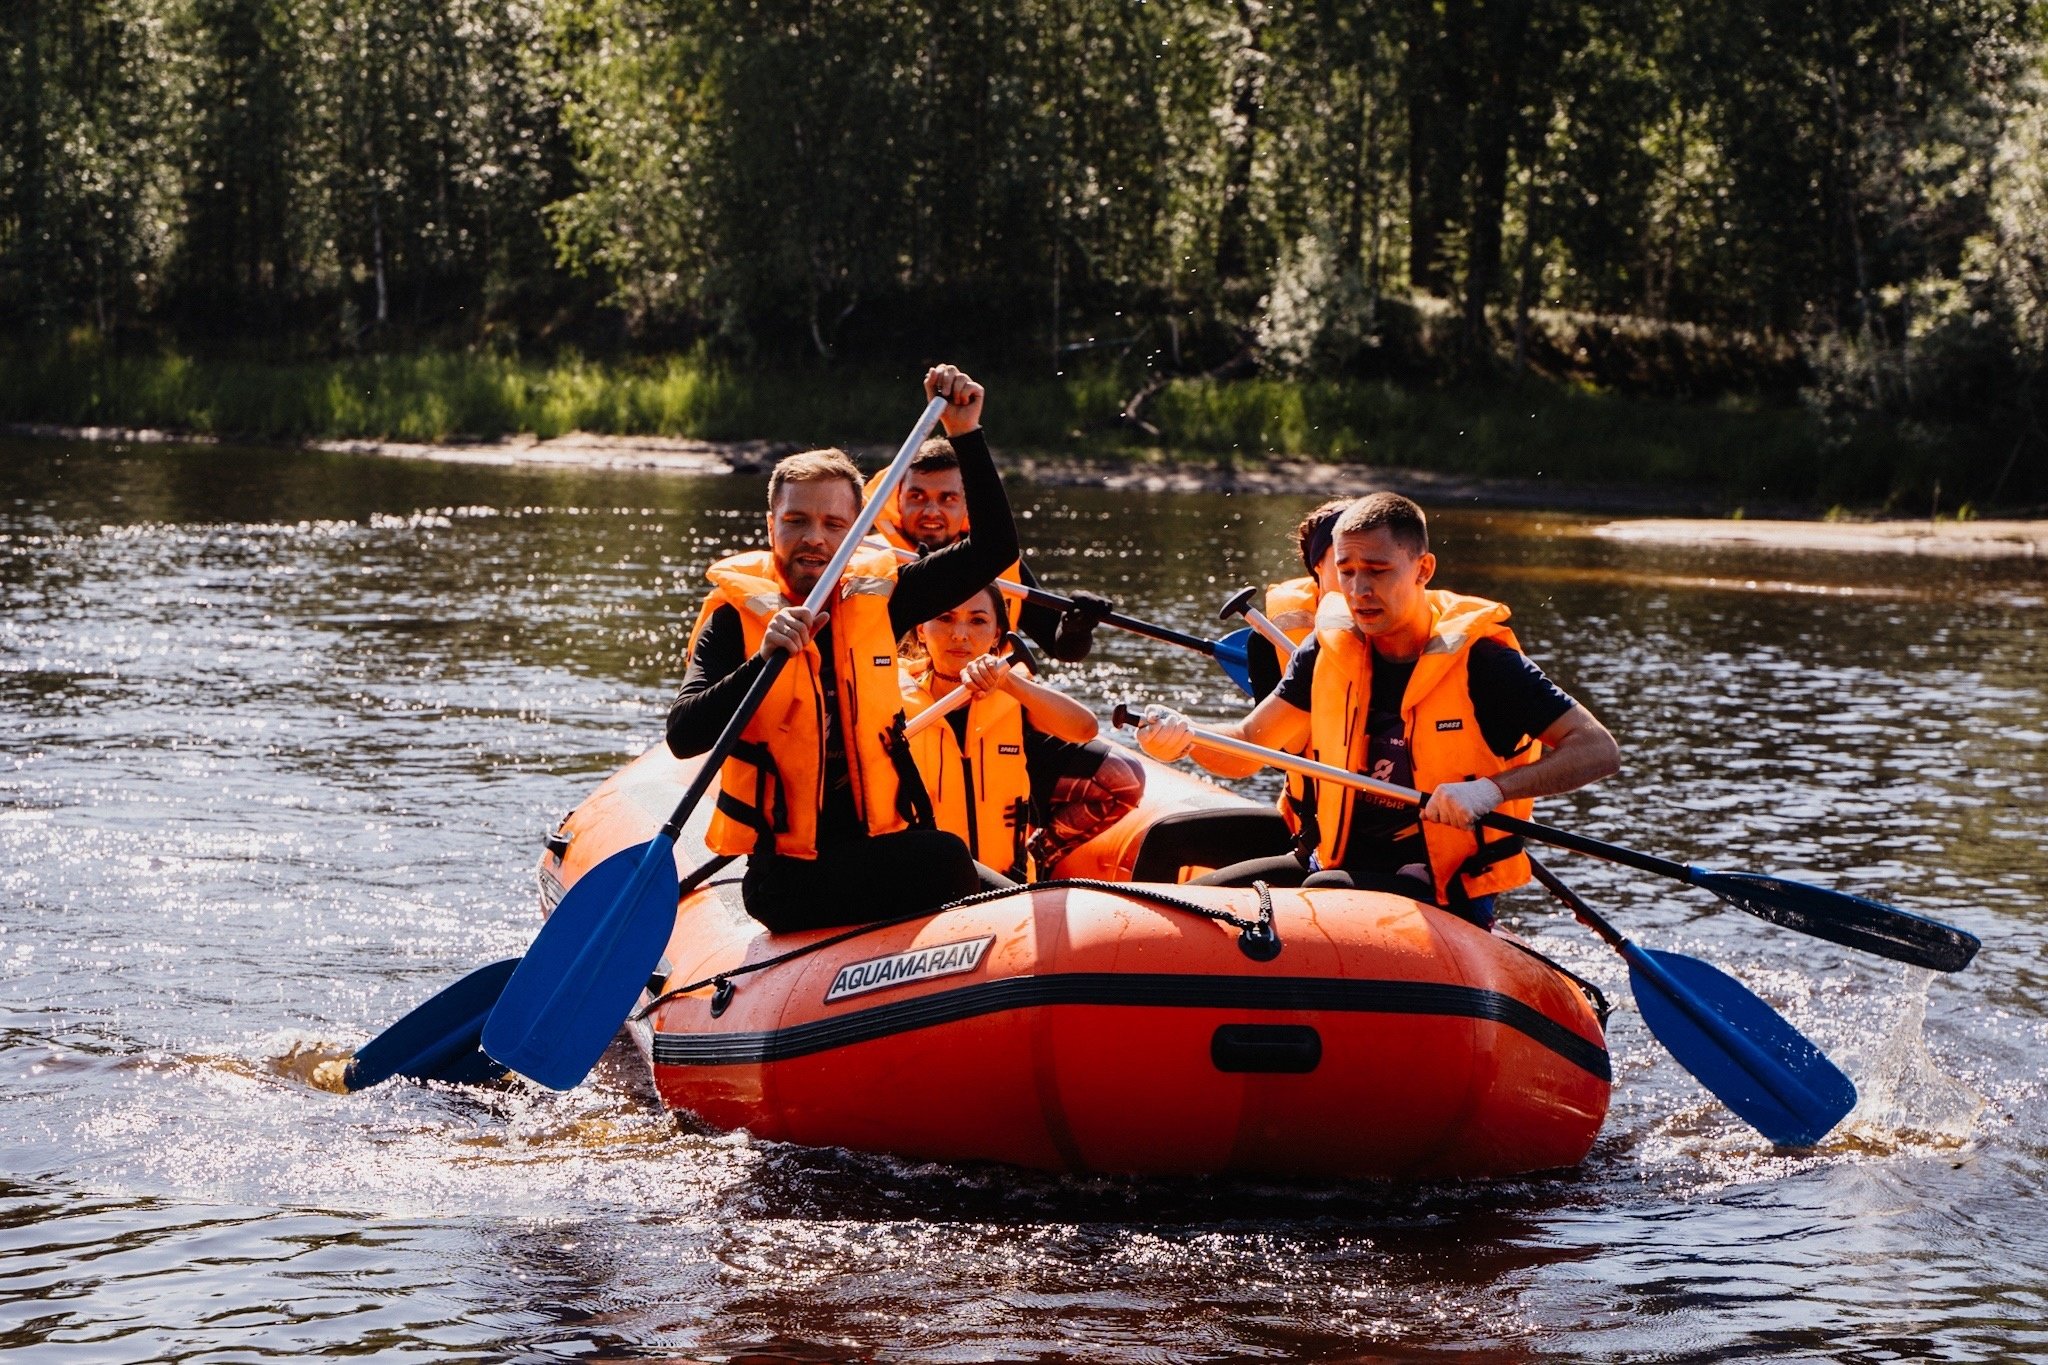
x: 1904, y: 1098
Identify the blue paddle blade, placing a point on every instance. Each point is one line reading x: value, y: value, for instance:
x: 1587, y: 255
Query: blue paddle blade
x: 1235, y: 661
x: 1740, y: 1048
x: 439, y: 1040
x: 586, y: 967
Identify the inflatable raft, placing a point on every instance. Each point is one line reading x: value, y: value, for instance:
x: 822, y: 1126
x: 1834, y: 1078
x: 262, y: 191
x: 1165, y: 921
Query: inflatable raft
x: 1125, y: 1024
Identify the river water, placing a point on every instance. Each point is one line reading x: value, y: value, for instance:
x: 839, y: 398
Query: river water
x: 283, y: 734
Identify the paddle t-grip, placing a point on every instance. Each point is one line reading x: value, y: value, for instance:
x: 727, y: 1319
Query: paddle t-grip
x: 1237, y: 604
x: 1123, y: 717
x: 1241, y: 605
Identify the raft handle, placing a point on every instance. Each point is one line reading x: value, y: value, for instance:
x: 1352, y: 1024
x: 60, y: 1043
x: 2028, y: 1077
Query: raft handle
x: 1272, y: 1049
x: 721, y: 996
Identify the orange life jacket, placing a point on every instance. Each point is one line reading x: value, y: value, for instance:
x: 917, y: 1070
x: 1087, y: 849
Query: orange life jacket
x: 772, y: 787
x: 887, y: 527
x: 1292, y: 607
x: 981, y: 790
x: 1443, y: 740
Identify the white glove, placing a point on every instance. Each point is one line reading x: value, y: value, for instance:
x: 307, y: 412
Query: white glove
x: 1462, y: 804
x: 1163, y: 733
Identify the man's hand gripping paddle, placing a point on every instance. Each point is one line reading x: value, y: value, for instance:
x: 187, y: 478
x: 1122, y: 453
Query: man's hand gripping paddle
x: 579, y: 979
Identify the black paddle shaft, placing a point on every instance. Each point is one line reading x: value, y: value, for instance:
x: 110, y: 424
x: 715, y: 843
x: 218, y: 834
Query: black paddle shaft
x: 1163, y: 634
x: 1579, y: 843
x: 1837, y: 916
x: 1584, y: 913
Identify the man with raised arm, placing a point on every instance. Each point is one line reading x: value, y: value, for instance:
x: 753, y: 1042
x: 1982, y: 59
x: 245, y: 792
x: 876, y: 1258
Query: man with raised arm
x: 930, y: 512
x: 1421, y: 688
x: 820, y: 792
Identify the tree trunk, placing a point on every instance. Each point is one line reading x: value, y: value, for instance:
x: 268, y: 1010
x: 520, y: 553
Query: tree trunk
x: 1506, y: 30
x: 1439, y: 111
x: 1247, y: 92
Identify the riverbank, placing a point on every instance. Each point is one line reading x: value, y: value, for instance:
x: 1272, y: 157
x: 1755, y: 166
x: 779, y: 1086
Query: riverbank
x: 1700, y: 458
x: 1146, y: 472
x: 1941, y: 539
x: 1656, y: 515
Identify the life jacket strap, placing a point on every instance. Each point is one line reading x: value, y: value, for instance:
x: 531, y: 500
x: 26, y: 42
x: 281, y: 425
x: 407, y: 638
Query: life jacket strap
x: 1018, y: 817
x: 1308, y: 828
x: 732, y: 808
x: 913, y: 802
x: 1489, y: 853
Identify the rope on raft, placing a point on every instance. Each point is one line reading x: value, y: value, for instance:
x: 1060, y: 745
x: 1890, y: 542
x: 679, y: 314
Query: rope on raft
x: 1257, y: 937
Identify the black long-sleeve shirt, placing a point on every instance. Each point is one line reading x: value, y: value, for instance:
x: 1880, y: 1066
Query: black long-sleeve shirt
x: 721, y: 670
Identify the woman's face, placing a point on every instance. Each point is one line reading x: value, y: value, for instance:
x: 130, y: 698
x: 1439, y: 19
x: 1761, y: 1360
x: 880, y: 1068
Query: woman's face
x: 957, y: 637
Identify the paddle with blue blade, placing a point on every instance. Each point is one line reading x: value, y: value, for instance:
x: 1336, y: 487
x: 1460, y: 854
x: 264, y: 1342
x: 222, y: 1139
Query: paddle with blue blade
x: 438, y: 1040
x: 442, y: 1040
x: 1836, y: 916
x: 586, y: 967
x: 1734, y: 1044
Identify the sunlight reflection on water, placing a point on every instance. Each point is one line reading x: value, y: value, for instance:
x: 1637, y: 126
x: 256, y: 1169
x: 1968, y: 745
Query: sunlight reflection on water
x: 290, y: 729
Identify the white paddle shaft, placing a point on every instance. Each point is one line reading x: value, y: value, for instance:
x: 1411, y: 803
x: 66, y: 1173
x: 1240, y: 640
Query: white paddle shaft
x: 1263, y: 624
x: 1294, y: 763
x: 943, y: 707
x: 856, y: 538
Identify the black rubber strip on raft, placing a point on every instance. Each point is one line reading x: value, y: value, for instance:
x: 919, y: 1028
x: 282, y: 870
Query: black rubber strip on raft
x: 1131, y: 988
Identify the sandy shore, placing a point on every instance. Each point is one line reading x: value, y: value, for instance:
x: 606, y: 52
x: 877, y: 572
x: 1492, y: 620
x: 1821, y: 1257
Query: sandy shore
x: 1947, y: 539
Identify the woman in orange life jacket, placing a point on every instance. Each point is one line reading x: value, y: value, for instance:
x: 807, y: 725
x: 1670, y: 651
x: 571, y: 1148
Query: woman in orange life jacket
x: 1422, y: 688
x: 929, y: 512
x: 1017, y: 772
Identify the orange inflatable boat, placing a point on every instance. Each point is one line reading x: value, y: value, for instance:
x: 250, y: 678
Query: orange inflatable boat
x: 1129, y: 1024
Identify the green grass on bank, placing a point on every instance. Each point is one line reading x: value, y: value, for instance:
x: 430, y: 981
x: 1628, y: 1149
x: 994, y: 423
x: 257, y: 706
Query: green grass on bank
x: 1777, y: 454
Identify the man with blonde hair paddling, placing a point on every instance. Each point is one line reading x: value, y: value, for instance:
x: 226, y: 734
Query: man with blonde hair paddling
x: 820, y: 793
x: 1420, y: 688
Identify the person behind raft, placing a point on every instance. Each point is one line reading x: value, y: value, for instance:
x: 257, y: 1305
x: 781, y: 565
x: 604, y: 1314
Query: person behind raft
x: 1291, y: 605
x: 1422, y: 688
x: 820, y: 792
x: 1017, y: 772
x: 930, y: 512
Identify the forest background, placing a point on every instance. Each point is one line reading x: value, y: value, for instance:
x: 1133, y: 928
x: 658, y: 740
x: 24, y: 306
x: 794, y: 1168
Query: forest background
x: 1795, y: 249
